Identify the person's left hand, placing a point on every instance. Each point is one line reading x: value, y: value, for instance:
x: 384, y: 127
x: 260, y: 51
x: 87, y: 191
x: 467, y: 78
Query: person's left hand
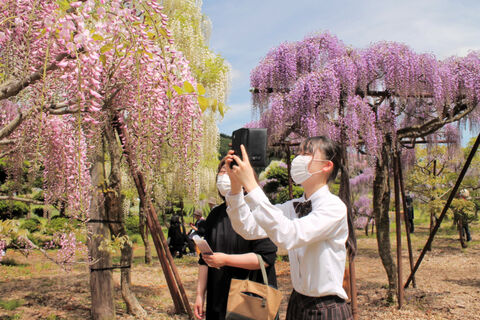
x: 215, y: 260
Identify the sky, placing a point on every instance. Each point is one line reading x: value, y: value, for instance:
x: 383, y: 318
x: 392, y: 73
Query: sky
x: 243, y: 31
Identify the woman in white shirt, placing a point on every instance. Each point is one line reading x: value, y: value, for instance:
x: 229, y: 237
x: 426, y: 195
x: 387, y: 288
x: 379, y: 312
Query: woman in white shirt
x: 312, y: 228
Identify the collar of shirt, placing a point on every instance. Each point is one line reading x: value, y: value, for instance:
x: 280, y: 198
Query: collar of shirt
x: 317, y: 195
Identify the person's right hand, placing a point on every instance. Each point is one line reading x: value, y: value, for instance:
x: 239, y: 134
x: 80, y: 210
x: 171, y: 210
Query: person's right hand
x: 198, y: 308
x: 242, y: 172
x: 235, y: 186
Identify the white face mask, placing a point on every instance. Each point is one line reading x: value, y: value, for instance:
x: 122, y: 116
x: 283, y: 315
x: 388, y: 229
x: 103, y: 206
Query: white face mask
x: 299, y: 171
x: 223, y: 184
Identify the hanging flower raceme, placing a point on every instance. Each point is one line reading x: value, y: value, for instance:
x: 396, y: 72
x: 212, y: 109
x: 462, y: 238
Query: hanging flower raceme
x: 96, y: 60
x: 66, y: 173
x: 319, y: 86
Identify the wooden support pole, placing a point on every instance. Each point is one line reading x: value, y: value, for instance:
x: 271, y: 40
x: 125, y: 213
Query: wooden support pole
x: 445, y: 208
x: 161, y: 252
x: 407, y: 221
x: 353, y: 288
x: 398, y: 228
x: 157, y: 226
x: 172, y: 276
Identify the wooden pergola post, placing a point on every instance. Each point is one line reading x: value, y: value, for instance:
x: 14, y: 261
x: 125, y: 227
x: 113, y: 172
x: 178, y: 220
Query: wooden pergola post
x: 405, y: 208
x: 398, y: 228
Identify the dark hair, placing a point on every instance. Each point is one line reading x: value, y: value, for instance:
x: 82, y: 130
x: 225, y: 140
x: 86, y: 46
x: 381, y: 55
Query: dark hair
x: 174, y: 220
x: 329, y: 149
x: 220, y: 165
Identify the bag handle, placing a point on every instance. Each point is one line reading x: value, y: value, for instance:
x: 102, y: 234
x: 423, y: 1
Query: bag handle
x: 262, y: 267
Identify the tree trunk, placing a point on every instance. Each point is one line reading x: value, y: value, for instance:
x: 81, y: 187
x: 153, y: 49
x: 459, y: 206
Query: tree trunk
x: 381, y: 203
x: 133, y: 306
x: 101, y: 283
x: 61, y: 209
x: 432, y: 225
x: 144, y: 234
x: 461, y: 232
x: 114, y: 210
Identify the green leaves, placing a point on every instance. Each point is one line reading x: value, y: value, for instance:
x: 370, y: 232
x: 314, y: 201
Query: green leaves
x: 106, y: 48
x: 151, y: 35
x: 200, y: 89
x: 187, y: 86
x: 204, y: 102
x: 10, y: 230
x: 178, y: 90
x: 64, y: 5
x: 97, y: 37
x: 103, y: 59
x: 114, y: 244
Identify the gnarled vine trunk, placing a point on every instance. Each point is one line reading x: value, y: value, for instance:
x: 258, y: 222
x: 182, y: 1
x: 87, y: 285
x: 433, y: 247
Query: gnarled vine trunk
x: 381, y: 203
x: 101, y: 282
x: 114, y: 210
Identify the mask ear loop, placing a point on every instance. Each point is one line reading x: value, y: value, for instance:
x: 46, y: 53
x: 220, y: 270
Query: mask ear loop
x: 313, y: 159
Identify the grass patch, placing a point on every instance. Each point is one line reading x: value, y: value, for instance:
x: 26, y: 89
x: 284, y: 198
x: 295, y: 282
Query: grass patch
x: 14, y: 317
x: 11, y: 304
x: 10, y: 262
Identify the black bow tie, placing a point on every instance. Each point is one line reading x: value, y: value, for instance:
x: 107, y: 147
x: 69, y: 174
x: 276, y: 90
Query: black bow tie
x: 302, y: 208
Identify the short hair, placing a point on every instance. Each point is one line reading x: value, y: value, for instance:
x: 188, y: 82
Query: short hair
x: 329, y: 148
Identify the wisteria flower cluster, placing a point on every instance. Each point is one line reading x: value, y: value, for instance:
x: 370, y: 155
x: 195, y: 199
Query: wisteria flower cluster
x: 97, y: 59
x: 69, y: 69
x: 321, y: 86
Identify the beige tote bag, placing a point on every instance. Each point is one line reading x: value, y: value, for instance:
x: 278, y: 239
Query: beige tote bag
x: 252, y: 300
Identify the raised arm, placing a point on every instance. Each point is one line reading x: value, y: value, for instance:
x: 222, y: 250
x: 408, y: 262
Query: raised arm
x: 326, y: 222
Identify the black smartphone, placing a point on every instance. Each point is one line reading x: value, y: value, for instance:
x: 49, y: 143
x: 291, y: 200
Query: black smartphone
x: 254, y: 141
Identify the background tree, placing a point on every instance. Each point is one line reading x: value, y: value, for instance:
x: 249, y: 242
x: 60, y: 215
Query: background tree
x: 432, y: 177
x: 373, y: 99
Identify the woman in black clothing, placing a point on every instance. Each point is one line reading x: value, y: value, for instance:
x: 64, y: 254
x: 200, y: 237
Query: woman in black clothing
x: 234, y: 257
x: 176, y: 237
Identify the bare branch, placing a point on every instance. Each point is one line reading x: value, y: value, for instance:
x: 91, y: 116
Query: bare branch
x: 45, y: 253
x: 26, y: 200
x: 11, y: 89
x: 6, y: 153
x: 56, y: 109
x: 62, y: 108
x: 60, y: 105
x: 7, y: 141
x: 12, y: 125
x: 424, y: 129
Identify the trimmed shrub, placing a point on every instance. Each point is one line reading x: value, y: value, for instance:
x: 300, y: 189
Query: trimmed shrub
x: 13, y: 209
x: 32, y: 225
x: 131, y: 224
x: 61, y: 224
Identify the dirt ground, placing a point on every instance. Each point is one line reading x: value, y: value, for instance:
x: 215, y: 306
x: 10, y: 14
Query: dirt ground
x: 448, y: 284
